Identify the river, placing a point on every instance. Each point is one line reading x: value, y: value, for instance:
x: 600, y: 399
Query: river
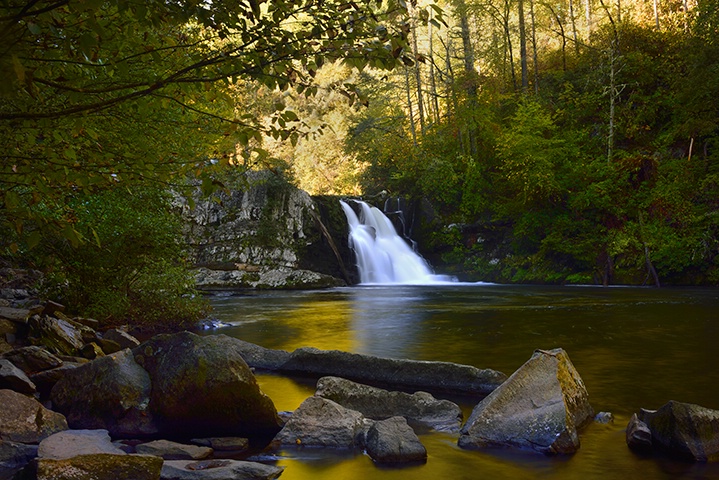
x: 633, y: 347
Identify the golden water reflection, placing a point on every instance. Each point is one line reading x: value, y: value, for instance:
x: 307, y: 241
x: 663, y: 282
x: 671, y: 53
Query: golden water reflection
x: 633, y: 348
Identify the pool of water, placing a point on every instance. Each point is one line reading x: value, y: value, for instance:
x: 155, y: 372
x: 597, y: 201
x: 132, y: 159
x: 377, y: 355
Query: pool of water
x: 633, y: 347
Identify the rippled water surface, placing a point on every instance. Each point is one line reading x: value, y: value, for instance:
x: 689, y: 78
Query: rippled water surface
x: 633, y: 347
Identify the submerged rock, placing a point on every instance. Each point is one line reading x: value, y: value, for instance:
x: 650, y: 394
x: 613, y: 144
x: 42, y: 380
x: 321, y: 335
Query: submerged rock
x: 683, y: 430
x: 540, y: 407
x: 393, y: 441
x: 419, y: 408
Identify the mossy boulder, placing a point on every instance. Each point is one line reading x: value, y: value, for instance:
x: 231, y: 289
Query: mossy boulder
x: 540, y: 407
x: 201, y: 386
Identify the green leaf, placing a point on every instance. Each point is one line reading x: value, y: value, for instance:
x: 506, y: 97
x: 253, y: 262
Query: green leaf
x: 33, y: 239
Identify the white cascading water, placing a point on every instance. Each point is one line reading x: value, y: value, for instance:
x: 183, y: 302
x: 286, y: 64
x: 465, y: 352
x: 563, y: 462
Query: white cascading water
x: 383, y: 256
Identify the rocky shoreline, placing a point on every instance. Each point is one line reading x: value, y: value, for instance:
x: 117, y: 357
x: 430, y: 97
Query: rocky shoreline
x: 78, y: 403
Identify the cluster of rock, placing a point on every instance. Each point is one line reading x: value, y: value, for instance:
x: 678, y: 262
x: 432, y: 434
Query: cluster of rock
x: 63, y: 404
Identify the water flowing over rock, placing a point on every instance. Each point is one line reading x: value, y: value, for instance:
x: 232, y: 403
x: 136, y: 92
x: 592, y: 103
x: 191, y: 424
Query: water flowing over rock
x: 540, y: 407
x: 25, y: 420
x: 382, y: 255
x: 420, y: 408
x: 683, y: 430
x: 111, y: 393
x: 393, y: 441
x: 264, y: 233
x: 201, y: 386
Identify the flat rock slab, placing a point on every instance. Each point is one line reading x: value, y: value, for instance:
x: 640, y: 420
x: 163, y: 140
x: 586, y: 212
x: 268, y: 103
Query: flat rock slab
x: 103, y: 466
x: 224, y: 444
x: 391, y: 372
x: 540, y: 407
x: 218, y: 470
x: 33, y: 359
x: 17, y: 315
x: 173, y: 450
x: 420, y: 408
x: 71, y: 443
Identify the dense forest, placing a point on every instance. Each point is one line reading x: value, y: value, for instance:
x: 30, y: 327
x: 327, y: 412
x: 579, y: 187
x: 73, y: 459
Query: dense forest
x: 564, y: 142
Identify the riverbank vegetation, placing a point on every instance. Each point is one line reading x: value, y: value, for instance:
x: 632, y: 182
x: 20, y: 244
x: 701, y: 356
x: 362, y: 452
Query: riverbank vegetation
x: 569, y: 142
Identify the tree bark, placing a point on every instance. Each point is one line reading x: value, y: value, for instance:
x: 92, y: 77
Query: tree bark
x: 523, y: 46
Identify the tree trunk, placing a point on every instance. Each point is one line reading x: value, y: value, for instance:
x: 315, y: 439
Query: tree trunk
x: 574, y: 26
x: 432, y: 66
x: 523, y: 46
x: 417, y: 73
x: 409, y: 106
x: 588, y: 16
x: 656, y: 13
x: 534, y: 47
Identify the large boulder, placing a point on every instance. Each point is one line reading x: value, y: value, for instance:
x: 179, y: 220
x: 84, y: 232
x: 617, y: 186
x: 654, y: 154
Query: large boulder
x: 111, y: 393
x: 683, y: 430
x: 419, y: 409
x: 397, y: 373
x: 25, y: 420
x: 101, y: 466
x: 540, y: 407
x: 218, y: 470
x: 201, y: 386
x: 392, y: 441
x: 13, y: 378
x: 319, y: 422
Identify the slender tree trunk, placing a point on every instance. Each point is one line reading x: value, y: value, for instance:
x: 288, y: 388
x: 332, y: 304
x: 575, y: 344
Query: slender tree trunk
x: 413, y: 127
x: 574, y: 26
x: 612, y: 101
x: 508, y: 34
x: 432, y: 80
x: 656, y: 13
x: 417, y: 74
x: 534, y: 47
x: 523, y: 46
x: 471, y: 75
x: 562, y: 34
x: 588, y: 16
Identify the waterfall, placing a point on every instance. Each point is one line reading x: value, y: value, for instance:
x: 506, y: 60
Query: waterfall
x: 382, y: 255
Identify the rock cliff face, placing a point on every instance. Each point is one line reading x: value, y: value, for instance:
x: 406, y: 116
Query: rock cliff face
x: 265, y: 233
